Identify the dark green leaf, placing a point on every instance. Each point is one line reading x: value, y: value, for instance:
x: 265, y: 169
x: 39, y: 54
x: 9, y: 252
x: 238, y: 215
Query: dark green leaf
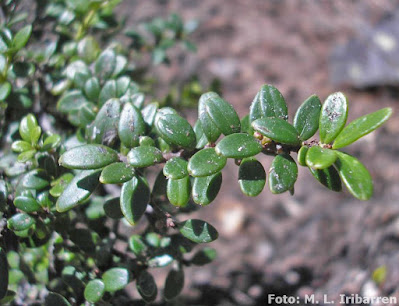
x: 144, y: 156
x: 361, y: 127
x: 112, y: 208
x: 116, y: 173
x: 333, y: 117
x: 94, y: 290
x: 175, y: 168
x: 71, y: 100
x: 251, y: 177
x: 91, y: 156
x: 83, y: 239
x: 306, y: 120
x: 246, y: 126
x: 282, y: 174
x: 92, y: 89
x: 27, y: 204
x: 268, y: 102
x: 22, y: 37
x: 204, y: 256
x: 198, y: 231
x: 147, y: 287
x: 199, y: 135
x: 56, y: 299
x: 116, y: 279
x: 20, y: 222
x: 320, y: 158
x: 178, y: 191
x: 238, y: 145
x: 135, y: 196
x: 108, y: 92
x: 355, y: 176
x: 328, y: 177
x: 302, y: 155
x: 35, y: 179
x: 206, y: 162
x: 206, y: 188
x: 149, y: 112
x: 3, y: 273
x: 277, y: 129
x: 105, y: 64
x: 174, y: 283
x: 78, y: 190
x: 131, y: 126
x: 209, y: 127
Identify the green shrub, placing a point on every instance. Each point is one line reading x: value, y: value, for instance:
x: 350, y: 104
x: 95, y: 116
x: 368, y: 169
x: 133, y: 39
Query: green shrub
x: 77, y: 116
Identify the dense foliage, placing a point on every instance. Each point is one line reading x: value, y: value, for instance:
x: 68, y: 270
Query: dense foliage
x: 82, y: 134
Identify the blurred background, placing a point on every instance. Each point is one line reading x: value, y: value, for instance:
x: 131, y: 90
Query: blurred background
x: 316, y: 241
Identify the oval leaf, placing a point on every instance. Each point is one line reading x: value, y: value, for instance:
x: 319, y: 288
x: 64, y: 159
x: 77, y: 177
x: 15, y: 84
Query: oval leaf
x: 198, y: 231
x: 302, y: 155
x: 105, y: 64
x: 306, y: 120
x: 206, y: 162
x: 277, y: 129
x: 116, y: 173
x: 20, y: 222
x: 176, y: 168
x: 27, y: 204
x: 204, y: 256
x: 251, y: 177
x: 115, y: 279
x: 144, y: 156
x: 206, y: 188
x: 94, y: 290
x: 174, y: 284
x: 238, y: 145
x: 131, y: 126
x: 209, y: 127
x: 282, y: 174
x: 112, y: 208
x: 200, y: 135
x: 328, y: 177
x: 35, y: 179
x: 147, y: 287
x: 320, y: 158
x: 56, y: 299
x: 178, y: 191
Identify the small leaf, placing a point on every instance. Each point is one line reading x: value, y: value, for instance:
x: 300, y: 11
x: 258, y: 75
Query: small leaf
x: 147, y: 287
x: 91, y: 156
x: 78, y: 190
x: 71, y: 100
x: 5, y: 90
x: 116, y: 279
x: 35, y: 134
x: 268, y: 102
x: 112, y: 208
x: 361, y: 127
x: 333, y: 117
x: 22, y: 37
x: 277, y: 129
x: 251, y: 177
x: 209, y: 127
x: 27, y: 124
x: 246, y: 125
x: 204, y: 256
x: 199, y: 135
x: 306, y: 120
x: 94, y: 290
x: 27, y: 204
x: 282, y: 174
x: 149, y: 113
x: 131, y: 126
x: 320, y: 158
x: 160, y: 261
x: 88, y: 49
x: 26, y: 156
x: 355, y: 176
x: 175, y: 168
x: 174, y: 283
x: 60, y: 184
x: 146, y: 141
x: 135, y: 196
x: 328, y: 177
x: 136, y: 244
x: 83, y: 239
x: 92, y: 89
x: 108, y: 92
x: 144, y: 156
x: 56, y: 299
x: 206, y: 162
x: 51, y: 142
x: 116, y: 173
x: 105, y: 64
x: 21, y: 146
x: 35, y: 179
x: 3, y: 273
x: 198, y: 231
x: 238, y: 145
x: 206, y: 188
x: 20, y: 222
x: 178, y: 191
x: 302, y: 155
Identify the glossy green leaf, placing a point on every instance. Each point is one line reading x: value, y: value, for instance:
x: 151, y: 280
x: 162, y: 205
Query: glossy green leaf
x: 268, y: 102
x: 131, y: 126
x: 35, y: 179
x: 78, y: 190
x: 20, y: 222
x: 277, y: 129
x: 209, y: 127
x: 92, y: 89
x: 26, y: 156
x: 333, y: 117
x: 51, y: 142
x: 282, y: 174
x: 175, y: 168
x: 122, y: 85
x: 116, y: 279
x: 27, y: 124
x: 27, y: 204
x: 112, y: 208
x: 60, y: 184
x: 3, y: 273
x: 56, y: 299
x: 94, y: 290
x: 147, y: 287
x: 146, y: 141
x: 136, y: 244
x: 175, y: 130
x: 328, y: 177
x: 149, y: 112
x: 5, y: 90
x: 174, y: 283
x: 108, y: 92
x: 135, y: 196
x: 200, y: 135
x: 144, y: 156
x: 206, y: 162
x: 105, y: 64
x: 320, y: 158
x: 91, y: 156
x: 116, y: 173
x: 361, y: 127
x: 70, y: 101
x: 198, y: 231
x: 204, y: 256
x: 22, y: 37
x: 355, y: 176
x: 302, y: 155
x: 246, y: 126
x: 306, y: 120
x: 238, y: 145
x: 178, y: 191
x: 206, y: 188
x: 251, y: 177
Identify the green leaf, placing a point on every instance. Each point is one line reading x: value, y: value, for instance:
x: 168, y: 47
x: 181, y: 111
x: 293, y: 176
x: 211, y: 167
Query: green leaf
x: 60, y: 184
x: 108, y: 92
x: 3, y: 273
x: 200, y: 135
x: 51, y: 142
x: 78, y: 190
x: 238, y: 145
x: 116, y: 279
x: 361, y: 127
x: 27, y: 124
x: 5, y: 90
x: 146, y: 141
x: 20, y: 222
x: 112, y: 208
x: 144, y: 156
x: 320, y: 158
x: 198, y: 231
x: 282, y: 174
x: 83, y: 239
x: 56, y: 299
x: 91, y: 156
x: 27, y: 204
x: 26, y: 156
x: 35, y: 134
x: 333, y: 117
x: 246, y: 126
x: 147, y: 287
x: 175, y: 168
x: 175, y: 130
x: 355, y: 176
x: 251, y: 177
x: 302, y: 155
x: 178, y: 191
x: 268, y: 102
x: 70, y: 101
x: 92, y: 89
x: 209, y: 127
x: 35, y: 179
x: 116, y: 173
x: 204, y: 256
x: 206, y: 188
x: 131, y: 126
x: 94, y: 290
x: 206, y: 162
x: 149, y: 112
x: 306, y: 120
x: 88, y: 49
x: 277, y: 129
x: 136, y: 244
x: 105, y: 64
x: 328, y: 177
x: 21, y: 146
x: 22, y: 37
x: 174, y: 283
x: 135, y: 196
